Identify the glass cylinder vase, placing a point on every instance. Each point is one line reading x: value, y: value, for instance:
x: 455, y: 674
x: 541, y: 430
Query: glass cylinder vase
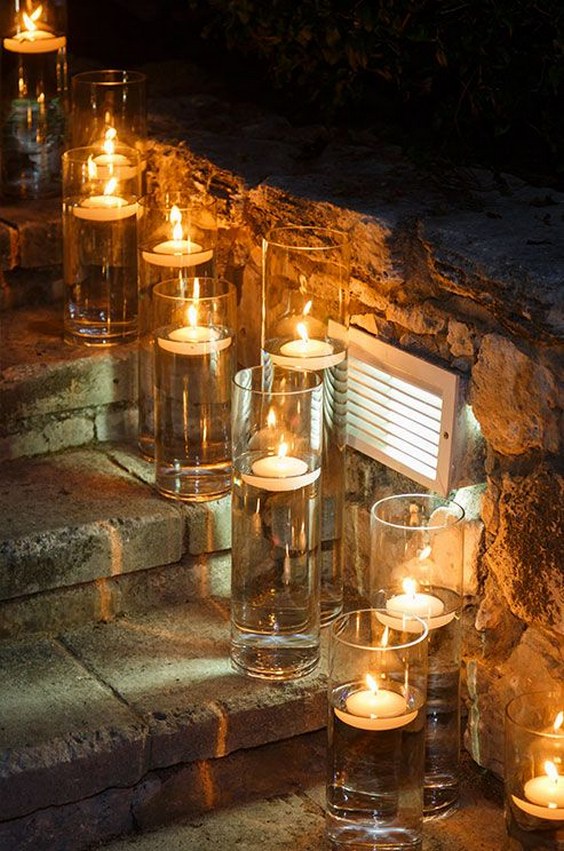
x: 376, y: 732
x: 194, y: 344
x: 177, y: 237
x: 305, y: 320
x: 34, y: 97
x: 277, y: 442
x: 534, y: 771
x: 109, y: 106
x: 100, y: 246
x: 416, y: 570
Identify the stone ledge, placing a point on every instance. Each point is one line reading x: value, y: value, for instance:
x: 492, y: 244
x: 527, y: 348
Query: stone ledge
x: 103, y: 706
x: 55, y: 395
x: 88, y: 514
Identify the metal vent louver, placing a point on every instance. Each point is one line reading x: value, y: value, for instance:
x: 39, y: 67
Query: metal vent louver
x: 401, y: 410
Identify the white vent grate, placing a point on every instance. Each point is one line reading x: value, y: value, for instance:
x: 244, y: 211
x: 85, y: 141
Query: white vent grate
x: 401, y: 410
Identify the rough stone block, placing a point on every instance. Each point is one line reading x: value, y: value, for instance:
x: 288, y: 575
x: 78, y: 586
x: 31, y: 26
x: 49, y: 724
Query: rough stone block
x: 172, y: 668
x: 64, y: 735
x: 536, y: 663
x: 41, y: 375
x: 71, y: 827
x: 514, y: 399
x: 76, y: 518
x: 47, y: 434
x: 105, y: 599
x: 527, y: 554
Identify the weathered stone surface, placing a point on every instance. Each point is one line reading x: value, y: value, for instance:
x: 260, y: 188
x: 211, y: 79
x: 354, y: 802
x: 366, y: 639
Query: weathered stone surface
x: 514, y: 399
x: 527, y: 553
x: 207, y: 523
x: 70, y: 827
x: 460, y: 339
x: 8, y: 246
x: 63, y: 734
x: 536, y: 663
x: 107, y: 598
x: 77, y: 517
x: 43, y: 375
x: 257, y: 773
x: 425, y: 320
x: 172, y: 668
x: 38, y: 226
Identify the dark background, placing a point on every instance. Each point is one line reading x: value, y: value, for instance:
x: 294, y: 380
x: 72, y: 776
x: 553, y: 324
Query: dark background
x: 471, y: 82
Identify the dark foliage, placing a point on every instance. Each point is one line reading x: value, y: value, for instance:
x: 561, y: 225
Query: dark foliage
x: 474, y: 79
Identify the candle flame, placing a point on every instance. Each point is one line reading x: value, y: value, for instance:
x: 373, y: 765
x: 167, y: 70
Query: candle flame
x: 385, y: 637
x: 371, y: 683
x: 302, y: 331
x: 425, y: 553
x: 558, y: 721
x: 271, y: 418
x: 41, y: 98
x: 175, y: 217
x: 551, y: 771
x: 110, y: 186
x: 282, y: 449
x: 192, y: 316
x: 29, y: 20
x: 196, y: 293
x: 109, y: 144
x: 92, y: 168
x: 307, y: 307
x: 409, y: 587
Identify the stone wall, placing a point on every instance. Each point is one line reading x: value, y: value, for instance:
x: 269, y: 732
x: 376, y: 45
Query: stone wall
x: 466, y: 271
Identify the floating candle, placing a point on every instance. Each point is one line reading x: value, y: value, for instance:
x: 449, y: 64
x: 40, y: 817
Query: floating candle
x: 375, y: 708
x: 544, y: 794
x: 110, y: 163
x: 415, y: 604
x: 194, y: 339
x: 301, y: 351
x: 177, y: 252
x: 33, y: 40
x: 105, y: 208
x: 281, y: 472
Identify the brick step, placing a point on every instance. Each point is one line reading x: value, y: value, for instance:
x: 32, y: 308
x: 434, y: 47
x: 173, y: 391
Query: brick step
x: 133, y: 722
x: 56, y: 396
x: 84, y: 536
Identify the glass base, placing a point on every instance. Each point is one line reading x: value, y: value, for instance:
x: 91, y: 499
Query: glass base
x: 274, y: 658
x: 439, y: 801
x: 146, y: 447
x: 91, y: 335
x: 330, y: 610
x: 342, y: 833
x: 193, y: 484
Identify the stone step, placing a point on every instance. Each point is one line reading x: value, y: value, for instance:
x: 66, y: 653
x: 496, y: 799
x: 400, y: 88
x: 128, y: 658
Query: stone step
x: 56, y: 396
x: 130, y: 722
x: 84, y: 536
x: 252, y: 818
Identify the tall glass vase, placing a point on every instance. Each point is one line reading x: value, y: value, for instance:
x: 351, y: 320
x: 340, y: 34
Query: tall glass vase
x: 416, y: 570
x: 305, y: 319
x: 34, y: 97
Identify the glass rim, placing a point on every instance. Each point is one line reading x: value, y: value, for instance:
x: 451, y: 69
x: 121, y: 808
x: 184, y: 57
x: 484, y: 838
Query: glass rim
x: 527, y: 695
x: 445, y: 502
x: 339, y: 623
x: 309, y: 374
x: 342, y: 240
x: 228, y: 289
x: 82, y: 152
x: 92, y: 78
